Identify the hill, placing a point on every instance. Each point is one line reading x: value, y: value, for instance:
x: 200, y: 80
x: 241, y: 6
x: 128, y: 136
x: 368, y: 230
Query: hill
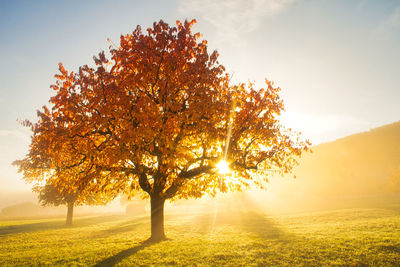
x: 356, y: 170
x: 359, y: 164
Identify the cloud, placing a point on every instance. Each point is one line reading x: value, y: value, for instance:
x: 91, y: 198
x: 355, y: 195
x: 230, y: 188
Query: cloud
x: 21, y: 135
x: 232, y: 18
x: 324, y: 128
x: 394, y: 19
x: 389, y: 24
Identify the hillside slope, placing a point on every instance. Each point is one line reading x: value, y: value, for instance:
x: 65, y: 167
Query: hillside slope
x: 358, y: 164
x: 352, y: 171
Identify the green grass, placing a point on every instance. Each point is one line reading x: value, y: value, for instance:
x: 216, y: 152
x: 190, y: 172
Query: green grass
x: 355, y: 237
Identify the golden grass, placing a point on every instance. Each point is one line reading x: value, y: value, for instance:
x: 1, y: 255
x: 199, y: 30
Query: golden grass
x: 226, y: 236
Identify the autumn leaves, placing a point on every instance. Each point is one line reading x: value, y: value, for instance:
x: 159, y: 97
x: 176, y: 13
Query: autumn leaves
x: 154, y: 117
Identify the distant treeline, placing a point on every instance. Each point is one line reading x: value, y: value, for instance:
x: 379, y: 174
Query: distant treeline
x: 29, y: 209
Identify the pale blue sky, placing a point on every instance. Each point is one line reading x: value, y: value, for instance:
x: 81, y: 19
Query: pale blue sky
x: 337, y: 61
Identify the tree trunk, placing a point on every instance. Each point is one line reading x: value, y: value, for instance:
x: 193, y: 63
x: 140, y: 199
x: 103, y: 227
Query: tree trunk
x: 157, y: 218
x: 69, y: 213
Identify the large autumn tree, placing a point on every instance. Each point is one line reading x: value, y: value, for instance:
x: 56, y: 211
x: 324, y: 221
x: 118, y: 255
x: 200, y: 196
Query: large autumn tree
x: 159, y: 116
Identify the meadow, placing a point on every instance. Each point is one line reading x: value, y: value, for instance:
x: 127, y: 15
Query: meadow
x: 230, y: 235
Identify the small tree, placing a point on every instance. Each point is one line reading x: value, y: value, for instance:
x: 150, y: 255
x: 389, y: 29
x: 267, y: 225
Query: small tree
x: 48, y: 166
x: 161, y: 116
x: 50, y: 195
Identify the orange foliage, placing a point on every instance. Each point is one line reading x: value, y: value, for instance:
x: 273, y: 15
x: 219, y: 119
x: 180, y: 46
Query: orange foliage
x: 158, y: 116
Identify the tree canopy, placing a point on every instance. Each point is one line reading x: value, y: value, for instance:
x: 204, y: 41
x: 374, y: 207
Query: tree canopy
x: 157, y: 116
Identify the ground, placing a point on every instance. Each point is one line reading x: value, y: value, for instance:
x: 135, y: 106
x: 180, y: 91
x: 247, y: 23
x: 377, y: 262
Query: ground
x: 223, y: 236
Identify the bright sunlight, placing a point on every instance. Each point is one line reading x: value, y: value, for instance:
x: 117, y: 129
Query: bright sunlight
x: 223, y: 167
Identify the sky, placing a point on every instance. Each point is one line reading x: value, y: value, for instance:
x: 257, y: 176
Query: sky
x: 337, y: 61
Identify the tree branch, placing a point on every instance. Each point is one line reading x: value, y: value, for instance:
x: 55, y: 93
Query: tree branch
x: 195, y: 172
x: 144, y: 183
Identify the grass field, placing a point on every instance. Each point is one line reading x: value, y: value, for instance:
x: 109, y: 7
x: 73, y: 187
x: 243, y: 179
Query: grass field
x: 224, y: 236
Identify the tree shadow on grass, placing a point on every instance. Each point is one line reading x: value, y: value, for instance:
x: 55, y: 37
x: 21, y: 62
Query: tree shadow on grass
x: 123, y: 227
x: 53, y: 225
x: 252, y: 222
x: 120, y: 256
x: 261, y: 225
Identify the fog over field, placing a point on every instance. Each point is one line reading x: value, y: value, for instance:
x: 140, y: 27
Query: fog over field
x: 351, y: 172
x: 200, y: 132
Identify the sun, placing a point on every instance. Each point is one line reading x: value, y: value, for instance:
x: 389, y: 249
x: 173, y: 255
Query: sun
x: 223, y: 167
